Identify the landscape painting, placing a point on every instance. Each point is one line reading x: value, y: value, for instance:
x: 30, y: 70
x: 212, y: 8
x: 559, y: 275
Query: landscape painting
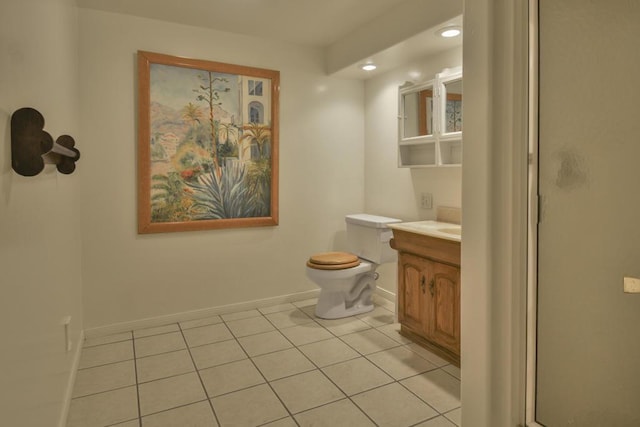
x: 207, y: 145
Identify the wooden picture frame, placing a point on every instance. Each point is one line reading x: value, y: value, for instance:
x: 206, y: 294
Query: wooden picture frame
x: 207, y: 144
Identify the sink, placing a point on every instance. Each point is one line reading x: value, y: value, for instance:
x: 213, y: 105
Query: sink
x: 443, y: 230
x: 456, y: 231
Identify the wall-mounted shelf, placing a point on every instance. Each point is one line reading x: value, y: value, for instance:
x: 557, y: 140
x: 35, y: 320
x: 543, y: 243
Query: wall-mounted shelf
x: 417, y: 154
x: 430, y: 121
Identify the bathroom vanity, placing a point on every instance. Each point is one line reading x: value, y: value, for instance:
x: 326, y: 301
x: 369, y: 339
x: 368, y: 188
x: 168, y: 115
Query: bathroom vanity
x: 428, y: 295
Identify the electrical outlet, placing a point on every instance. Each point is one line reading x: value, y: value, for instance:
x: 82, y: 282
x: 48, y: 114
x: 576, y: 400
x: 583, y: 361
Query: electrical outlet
x: 426, y: 201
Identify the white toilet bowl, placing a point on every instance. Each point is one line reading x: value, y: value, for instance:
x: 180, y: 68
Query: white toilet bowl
x: 347, y: 280
x: 345, y: 292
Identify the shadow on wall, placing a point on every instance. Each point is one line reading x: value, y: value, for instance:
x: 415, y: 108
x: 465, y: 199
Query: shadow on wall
x: 5, y: 167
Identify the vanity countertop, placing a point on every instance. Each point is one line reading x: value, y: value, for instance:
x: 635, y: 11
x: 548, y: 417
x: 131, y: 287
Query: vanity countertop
x: 441, y: 230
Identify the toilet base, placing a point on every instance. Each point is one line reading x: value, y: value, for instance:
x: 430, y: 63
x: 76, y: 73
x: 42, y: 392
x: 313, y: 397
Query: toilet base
x: 332, y: 305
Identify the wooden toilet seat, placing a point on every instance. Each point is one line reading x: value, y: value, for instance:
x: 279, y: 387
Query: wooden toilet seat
x: 333, y: 261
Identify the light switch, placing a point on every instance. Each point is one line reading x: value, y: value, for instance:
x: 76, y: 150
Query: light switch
x: 632, y: 285
x: 426, y: 201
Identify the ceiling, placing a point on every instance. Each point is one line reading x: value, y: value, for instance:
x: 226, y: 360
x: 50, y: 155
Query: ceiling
x: 425, y: 43
x: 316, y: 23
x: 321, y: 24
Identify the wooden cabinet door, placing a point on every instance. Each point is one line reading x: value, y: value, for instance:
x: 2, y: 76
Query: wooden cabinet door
x: 443, y: 306
x: 413, y: 275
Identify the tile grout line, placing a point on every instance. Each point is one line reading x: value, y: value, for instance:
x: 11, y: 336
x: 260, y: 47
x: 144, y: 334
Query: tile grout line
x: 383, y: 370
x: 172, y: 408
x: 326, y: 376
x: 260, y: 372
x: 105, y: 364
x: 165, y: 377
x: 135, y: 367
x: 447, y: 372
x: 432, y: 418
x: 103, y: 391
x: 316, y: 367
x: 106, y: 343
x: 401, y: 379
x: 293, y: 346
x: 279, y: 419
x: 279, y: 330
x: 329, y: 379
x: 206, y: 393
x: 449, y: 419
x: 360, y: 355
x: 161, y: 354
x: 421, y: 399
x: 365, y: 356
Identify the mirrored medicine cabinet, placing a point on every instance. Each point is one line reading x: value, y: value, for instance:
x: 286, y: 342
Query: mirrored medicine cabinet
x: 430, y: 121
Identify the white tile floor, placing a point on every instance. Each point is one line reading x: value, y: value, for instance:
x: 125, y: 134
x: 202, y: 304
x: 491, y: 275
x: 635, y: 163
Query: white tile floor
x: 276, y: 366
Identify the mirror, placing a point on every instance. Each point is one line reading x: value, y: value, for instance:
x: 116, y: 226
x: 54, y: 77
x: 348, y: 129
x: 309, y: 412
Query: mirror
x: 453, y: 106
x: 418, y: 113
x: 430, y: 121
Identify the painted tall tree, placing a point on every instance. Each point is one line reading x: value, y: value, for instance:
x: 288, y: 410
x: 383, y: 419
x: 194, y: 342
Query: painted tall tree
x: 209, y: 92
x: 258, y: 177
x: 191, y: 113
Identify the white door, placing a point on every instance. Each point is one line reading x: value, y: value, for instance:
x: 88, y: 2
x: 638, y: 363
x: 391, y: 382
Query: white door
x: 588, y: 349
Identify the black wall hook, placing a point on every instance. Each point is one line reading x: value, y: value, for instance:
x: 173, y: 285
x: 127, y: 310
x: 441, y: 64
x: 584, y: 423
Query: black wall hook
x: 32, y: 146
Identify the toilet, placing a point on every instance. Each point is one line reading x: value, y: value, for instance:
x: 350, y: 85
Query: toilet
x: 347, y: 280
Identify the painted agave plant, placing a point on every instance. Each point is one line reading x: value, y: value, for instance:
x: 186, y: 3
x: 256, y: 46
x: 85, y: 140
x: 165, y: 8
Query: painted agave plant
x: 258, y: 182
x: 223, y: 196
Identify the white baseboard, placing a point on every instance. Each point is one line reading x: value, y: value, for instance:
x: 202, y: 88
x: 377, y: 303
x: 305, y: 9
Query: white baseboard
x: 390, y: 298
x: 388, y: 295
x: 197, y: 314
x: 66, y: 402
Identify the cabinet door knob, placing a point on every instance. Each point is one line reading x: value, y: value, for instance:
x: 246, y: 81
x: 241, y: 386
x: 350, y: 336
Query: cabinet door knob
x: 432, y: 285
x: 423, y: 284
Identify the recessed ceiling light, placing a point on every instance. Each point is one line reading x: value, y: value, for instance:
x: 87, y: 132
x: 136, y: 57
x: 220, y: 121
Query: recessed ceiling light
x: 369, y: 66
x: 449, y: 31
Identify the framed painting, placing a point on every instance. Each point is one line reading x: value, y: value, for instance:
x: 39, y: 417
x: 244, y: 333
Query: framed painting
x: 207, y: 145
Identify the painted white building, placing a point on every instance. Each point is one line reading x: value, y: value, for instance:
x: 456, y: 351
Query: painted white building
x: 256, y: 105
x: 256, y: 108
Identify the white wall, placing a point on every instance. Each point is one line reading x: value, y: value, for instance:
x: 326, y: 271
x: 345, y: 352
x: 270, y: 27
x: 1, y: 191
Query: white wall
x: 494, y: 248
x: 130, y: 276
x: 393, y: 191
x: 40, y: 244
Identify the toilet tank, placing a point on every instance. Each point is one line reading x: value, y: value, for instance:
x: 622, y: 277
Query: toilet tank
x: 368, y: 237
